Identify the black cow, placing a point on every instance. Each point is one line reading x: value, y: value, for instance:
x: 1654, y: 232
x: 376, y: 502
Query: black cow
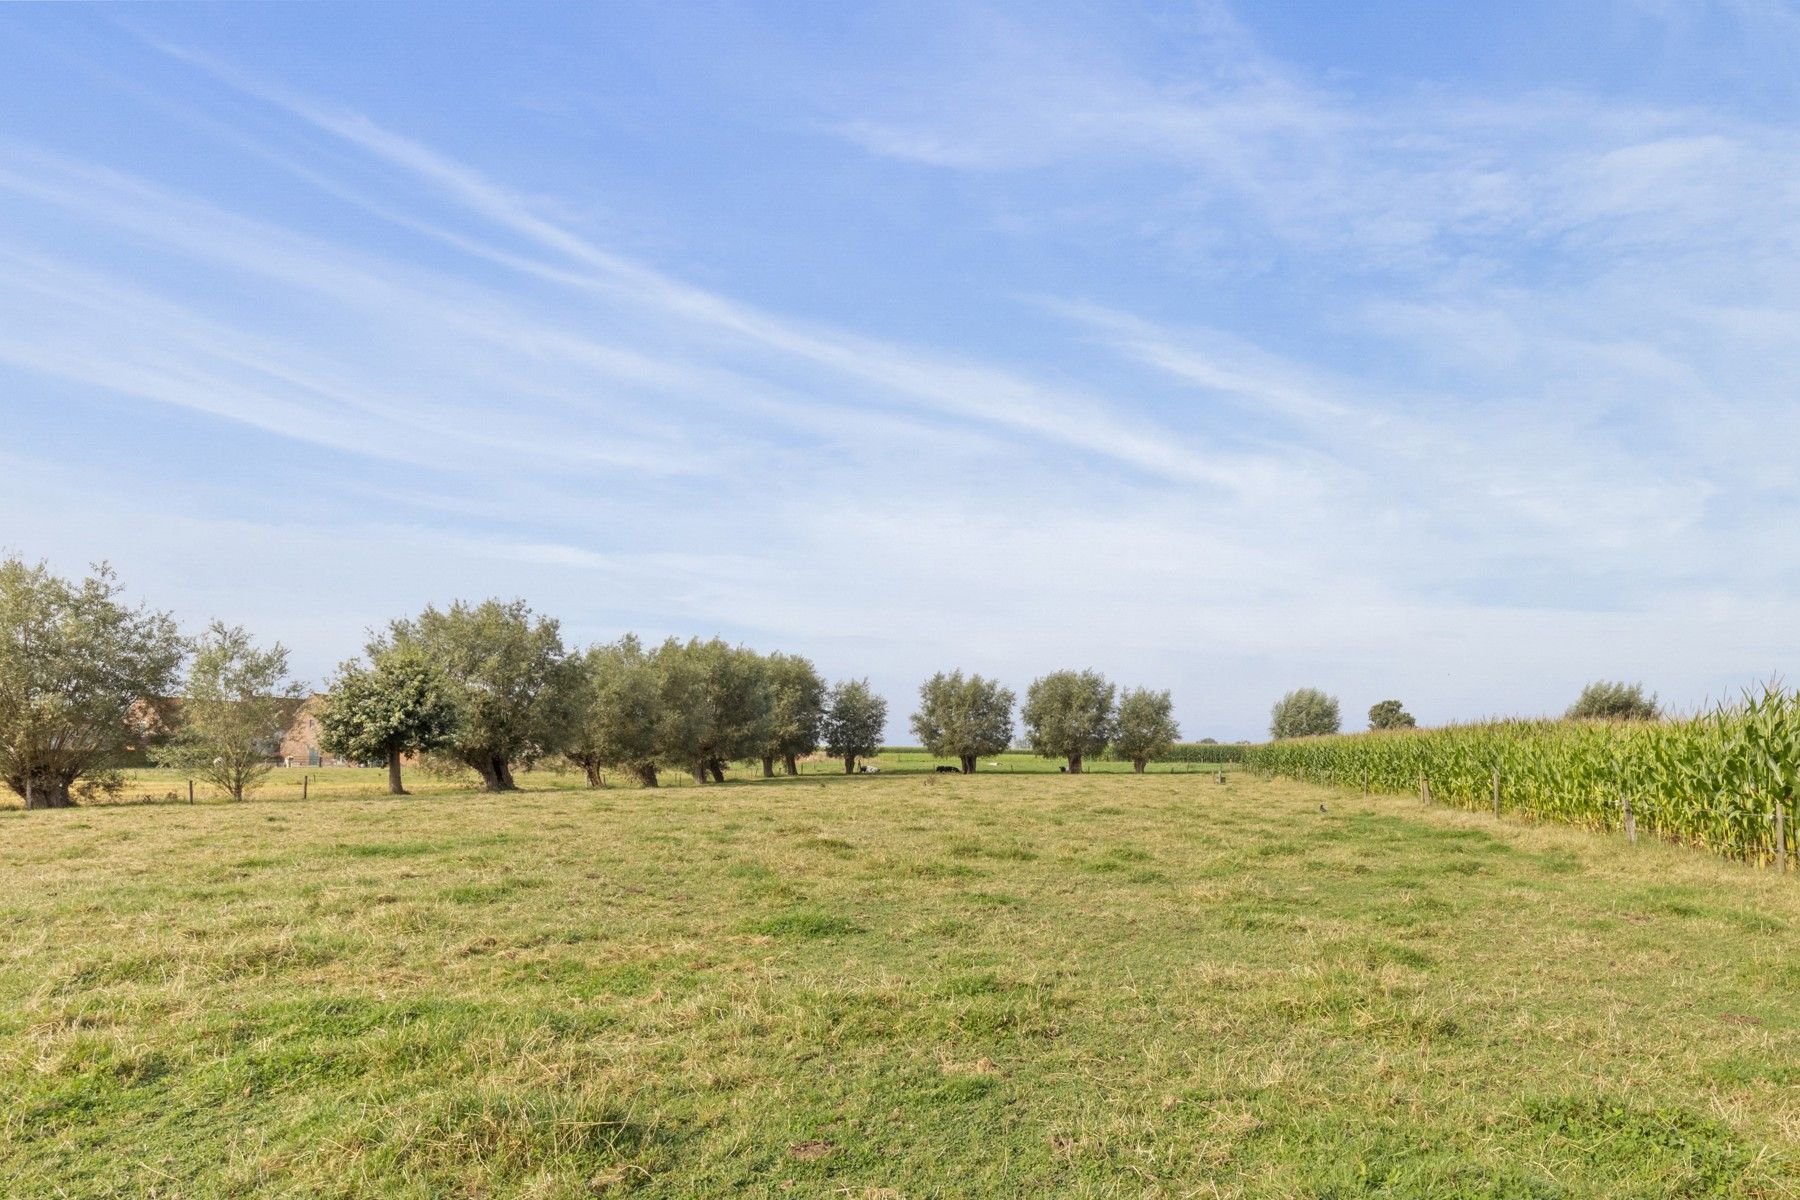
x: 949, y: 770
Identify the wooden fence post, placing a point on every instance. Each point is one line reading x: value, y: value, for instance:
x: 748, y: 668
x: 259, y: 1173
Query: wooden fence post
x: 305, y: 785
x: 1496, y: 793
x: 1780, y: 838
x: 190, y: 791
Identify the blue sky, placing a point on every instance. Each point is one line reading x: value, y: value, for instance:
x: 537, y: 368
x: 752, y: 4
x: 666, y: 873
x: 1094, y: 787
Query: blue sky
x: 1443, y: 352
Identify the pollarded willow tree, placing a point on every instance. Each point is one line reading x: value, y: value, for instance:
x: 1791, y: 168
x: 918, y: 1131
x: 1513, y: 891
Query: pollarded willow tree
x: 1303, y: 712
x: 715, y: 706
x: 1146, y: 726
x: 796, y: 708
x: 683, y: 721
x: 516, y: 690
x: 1070, y: 715
x: 401, y: 703
x: 963, y: 718
x: 855, y: 719
x: 235, y: 705
x: 78, y: 671
x: 620, y: 716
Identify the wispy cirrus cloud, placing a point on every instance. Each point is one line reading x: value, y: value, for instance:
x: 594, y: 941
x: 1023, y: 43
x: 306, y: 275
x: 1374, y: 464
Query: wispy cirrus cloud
x: 947, y: 386
x: 1434, y: 182
x: 1253, y: 375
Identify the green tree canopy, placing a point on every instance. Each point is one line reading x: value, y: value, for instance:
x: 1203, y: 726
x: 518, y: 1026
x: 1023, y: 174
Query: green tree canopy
x: 1304, y: 712
x: 1070, y: 715
x: 796, y: 708
x: 516, y: 690
x: 1390, y: 714
x: 1605, y: 700
x: 1147, y: 726
x: 620, y: 715
x: 963, y: 718
x: 855, y: 719
x: 400, y: 704
x: 235, y: 706
x: 76, y: 668
x: 715, y: 705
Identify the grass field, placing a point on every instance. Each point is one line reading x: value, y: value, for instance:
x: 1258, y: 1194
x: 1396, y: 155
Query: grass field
x: 164, y: 785
x: 891, y: 986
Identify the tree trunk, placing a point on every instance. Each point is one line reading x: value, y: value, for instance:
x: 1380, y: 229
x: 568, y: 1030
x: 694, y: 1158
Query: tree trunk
x: 496, y: 774
x: 45, y: 791
x: 1074, y: 764
x: 394, y: 787
x: 792, y: 765
x: 717, y: 767
x: 595, y: 776
x: 968, y: 764
x: 1137, y: 765
x: 699, y: 771
x: 849, y: 764
x: 768, y: 766
x: 646, y: 773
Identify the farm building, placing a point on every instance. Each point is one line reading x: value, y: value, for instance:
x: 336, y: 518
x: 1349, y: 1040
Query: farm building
x: 297, y: 746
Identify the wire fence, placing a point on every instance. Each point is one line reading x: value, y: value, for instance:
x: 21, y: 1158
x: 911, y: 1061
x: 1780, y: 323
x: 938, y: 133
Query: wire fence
x: 156, y: 785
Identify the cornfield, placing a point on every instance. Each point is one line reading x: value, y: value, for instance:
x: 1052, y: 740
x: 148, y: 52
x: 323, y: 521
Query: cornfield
x: 1714, y: 780
x: 1206, y: 752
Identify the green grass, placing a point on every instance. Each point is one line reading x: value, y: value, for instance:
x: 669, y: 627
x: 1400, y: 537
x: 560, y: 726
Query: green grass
x: 909, y: 759
x: 160, y: 785
x: 900, y: 986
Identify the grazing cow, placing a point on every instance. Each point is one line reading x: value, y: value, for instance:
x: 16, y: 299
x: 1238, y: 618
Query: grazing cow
x: 949, y: 770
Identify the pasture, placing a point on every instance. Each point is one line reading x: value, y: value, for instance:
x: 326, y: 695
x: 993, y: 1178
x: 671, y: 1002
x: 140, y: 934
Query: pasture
x: 904, y: 985
x: 162, y: 785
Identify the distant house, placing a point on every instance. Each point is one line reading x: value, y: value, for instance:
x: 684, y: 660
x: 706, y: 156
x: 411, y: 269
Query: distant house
x: 154, y: 721
x: 300, y: 745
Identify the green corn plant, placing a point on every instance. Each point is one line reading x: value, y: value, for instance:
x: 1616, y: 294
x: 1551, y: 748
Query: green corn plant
x: 1710, y: 780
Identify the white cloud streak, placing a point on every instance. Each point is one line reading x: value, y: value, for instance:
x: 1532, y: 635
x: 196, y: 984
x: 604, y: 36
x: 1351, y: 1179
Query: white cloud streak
x: 1555, y: 447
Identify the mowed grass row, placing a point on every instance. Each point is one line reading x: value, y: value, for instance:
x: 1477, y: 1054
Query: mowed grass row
x: 911, y: 758
x: 898, y: 986
x: 1713, y: 780
x: 162, y: 785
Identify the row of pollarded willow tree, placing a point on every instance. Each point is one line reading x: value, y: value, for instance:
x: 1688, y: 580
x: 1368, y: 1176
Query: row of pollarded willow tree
x: 83, y: 677
x: 491, y: 685
x: 1072, y: 715
x: 487, y: 685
